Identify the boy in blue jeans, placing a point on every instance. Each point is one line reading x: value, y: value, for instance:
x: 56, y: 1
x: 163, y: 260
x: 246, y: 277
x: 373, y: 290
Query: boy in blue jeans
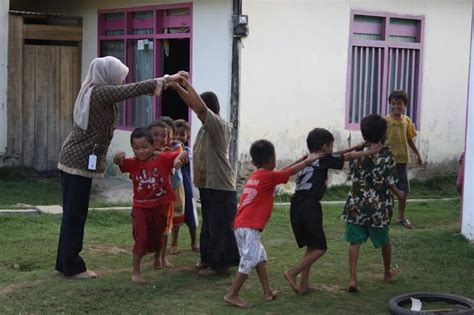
x: 369, y: 205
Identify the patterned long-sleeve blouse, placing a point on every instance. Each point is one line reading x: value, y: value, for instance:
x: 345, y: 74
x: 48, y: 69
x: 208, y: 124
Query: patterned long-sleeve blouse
x: 74, y: 155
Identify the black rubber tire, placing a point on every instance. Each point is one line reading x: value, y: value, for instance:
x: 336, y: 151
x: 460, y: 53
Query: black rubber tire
x: 396, y: 309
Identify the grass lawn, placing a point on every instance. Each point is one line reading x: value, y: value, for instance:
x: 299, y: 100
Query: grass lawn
x: 432, y: 257
x: 23, y: 186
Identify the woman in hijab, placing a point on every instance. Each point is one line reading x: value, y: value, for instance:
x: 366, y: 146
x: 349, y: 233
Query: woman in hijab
x: 83, y: 153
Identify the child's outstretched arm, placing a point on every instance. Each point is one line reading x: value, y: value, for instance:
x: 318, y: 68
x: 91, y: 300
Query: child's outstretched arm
x: 356, y: 147
x: 374, y: 148
x: 189, y: 95
x: 118, y: 158
x: 301, y: 163
x: 180, y: 160
x: 412, y: 145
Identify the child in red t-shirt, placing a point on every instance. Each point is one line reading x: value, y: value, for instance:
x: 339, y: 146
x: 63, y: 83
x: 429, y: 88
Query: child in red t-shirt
x: 256, y: 204
x: 152, y: 193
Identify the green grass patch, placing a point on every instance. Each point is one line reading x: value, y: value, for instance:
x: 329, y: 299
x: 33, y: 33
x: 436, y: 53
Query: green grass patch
x: 432, y: 257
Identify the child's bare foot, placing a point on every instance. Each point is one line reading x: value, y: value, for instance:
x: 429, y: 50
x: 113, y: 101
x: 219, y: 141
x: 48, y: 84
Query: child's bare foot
x: 389, y: 276
x: 306, y: 290
x: 195, y: 248
x: 166, y: 263
x: 88, y: 274
x: 291, y: 281
x: 352, y: 287
x: 271, y: 296
x: 157, y: 264
x: 174, y: 250
x: 137, y: 278
x: 236, y: 301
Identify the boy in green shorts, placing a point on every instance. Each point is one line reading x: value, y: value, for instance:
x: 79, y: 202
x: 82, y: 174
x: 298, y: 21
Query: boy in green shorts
x: 369, y: 205
x: 400, y: 134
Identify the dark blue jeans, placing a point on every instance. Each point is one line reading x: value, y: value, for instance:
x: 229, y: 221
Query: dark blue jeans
x: 217, y: 241
x: 76, y: 193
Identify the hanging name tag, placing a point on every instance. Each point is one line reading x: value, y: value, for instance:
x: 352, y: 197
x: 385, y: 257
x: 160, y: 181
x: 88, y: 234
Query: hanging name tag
x: 92, y: 162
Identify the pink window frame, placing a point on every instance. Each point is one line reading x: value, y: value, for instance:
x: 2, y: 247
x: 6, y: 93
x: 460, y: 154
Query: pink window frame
x: 385, y: 44
x: 155, y: 36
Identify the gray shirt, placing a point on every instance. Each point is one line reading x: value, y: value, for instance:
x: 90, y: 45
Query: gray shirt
x: 211, y: 166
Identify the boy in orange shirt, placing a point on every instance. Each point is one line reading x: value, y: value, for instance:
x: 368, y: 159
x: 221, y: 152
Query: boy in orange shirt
x: 400, y: 134
x: 256, y: 204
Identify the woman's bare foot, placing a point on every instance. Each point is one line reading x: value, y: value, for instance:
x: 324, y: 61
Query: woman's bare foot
x: 271, y: 296
x: 166, y: 263
x: 137, y: 278
x: 236, y: 301
x: 389, y: 276
x: 306, y: 290
x: 195, y: 248
x: 291, y: 281
x: 174, y: 250
x: 352, y: 287
x: 88, y: 274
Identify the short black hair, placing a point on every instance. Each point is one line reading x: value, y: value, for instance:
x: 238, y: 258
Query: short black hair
x: 141, y: 132
x: 169, y: 122
x: 211, y: 101
x: 399, y: 95
x: 317, y: 138
x: 181, y: 123
x: 261, y: 151
x: 373, y: 128
x: 157, y: 123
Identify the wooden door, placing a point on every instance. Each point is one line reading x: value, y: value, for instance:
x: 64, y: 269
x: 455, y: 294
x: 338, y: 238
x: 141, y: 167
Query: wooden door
x: 51, y: 81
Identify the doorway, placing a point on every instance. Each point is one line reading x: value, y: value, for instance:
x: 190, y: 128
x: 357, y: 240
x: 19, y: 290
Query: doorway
x: 175, y: 58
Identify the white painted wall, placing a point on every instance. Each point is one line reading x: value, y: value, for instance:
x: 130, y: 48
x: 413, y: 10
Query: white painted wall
x: 467, y: 228
x: 294, y: 65
x: 4, y: 7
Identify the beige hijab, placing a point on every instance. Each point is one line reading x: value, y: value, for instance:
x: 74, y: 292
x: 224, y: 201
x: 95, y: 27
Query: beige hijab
x: 102, y: 71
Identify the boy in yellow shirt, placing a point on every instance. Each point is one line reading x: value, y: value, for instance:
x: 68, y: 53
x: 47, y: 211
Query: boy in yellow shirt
x: 400, y: 134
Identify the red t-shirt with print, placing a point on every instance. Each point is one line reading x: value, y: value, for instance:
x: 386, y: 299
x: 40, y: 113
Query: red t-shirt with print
x: 256, y: 201
x: 151, y: 180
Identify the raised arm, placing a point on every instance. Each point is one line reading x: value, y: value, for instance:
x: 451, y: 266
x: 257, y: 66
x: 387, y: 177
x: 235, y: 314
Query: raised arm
x: 189, y: 95
x: 111, y: 94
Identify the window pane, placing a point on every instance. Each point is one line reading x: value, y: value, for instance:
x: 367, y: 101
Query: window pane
x: 141, y: 23
x: 114, y: 23
x: 403, y: 75
x: 115, y: 48
x: 365, y: 96
x: 399, y: 38
x: 141, y: 69
x: 368, y: 27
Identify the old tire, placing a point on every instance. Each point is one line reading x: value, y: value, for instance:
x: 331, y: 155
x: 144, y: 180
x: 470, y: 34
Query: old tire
x: 396, y: 309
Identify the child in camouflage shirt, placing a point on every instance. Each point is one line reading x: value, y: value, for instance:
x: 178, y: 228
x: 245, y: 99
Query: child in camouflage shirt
x: 369, y: 205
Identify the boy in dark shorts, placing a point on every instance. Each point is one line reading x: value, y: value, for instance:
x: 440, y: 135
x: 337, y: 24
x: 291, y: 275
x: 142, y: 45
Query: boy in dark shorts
x: 369, y: 205
x: 305, y: 210
x: 400, y: 134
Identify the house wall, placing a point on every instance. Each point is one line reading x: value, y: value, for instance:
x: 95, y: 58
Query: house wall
x: 294, y: 67
x: 211, y: 46
x: 4, y: 6
x: 467, y: 228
